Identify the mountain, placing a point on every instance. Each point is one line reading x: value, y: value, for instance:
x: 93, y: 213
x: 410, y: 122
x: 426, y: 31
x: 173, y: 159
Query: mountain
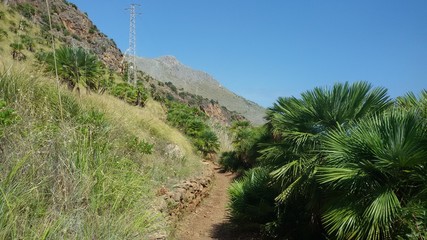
x: 169, y: 69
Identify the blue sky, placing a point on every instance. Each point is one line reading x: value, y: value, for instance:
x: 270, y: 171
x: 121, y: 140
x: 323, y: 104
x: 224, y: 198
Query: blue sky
x: 266, y: 49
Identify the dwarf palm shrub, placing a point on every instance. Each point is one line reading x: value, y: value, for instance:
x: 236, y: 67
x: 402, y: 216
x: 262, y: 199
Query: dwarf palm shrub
x: 376, y: 174
x: 252, y: 198
x: 245, y: 139
x: 80, y: 69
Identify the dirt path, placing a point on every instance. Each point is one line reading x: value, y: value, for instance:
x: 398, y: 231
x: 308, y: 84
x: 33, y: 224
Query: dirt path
x: 210, y: 219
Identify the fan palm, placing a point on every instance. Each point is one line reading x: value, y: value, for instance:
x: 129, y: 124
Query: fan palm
x: 207, y: 142
x: 298, y: 127
x: 410, y: 101
x: 76, y: 66
x: 376, y: 175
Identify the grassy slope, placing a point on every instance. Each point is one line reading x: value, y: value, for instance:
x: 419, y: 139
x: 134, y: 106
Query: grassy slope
x: 81, y: 176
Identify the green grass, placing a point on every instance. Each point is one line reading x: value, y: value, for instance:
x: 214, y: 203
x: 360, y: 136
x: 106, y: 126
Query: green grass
x: 85, y: 167
x: 79, y: 176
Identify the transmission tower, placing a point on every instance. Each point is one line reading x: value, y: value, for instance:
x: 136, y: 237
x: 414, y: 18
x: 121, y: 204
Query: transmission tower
x: 131, y: 52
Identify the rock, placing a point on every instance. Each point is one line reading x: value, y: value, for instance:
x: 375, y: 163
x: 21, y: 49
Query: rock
x: 173, y: 151
x: 76, y: 29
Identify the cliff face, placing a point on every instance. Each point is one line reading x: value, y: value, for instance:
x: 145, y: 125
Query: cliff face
x: 72, y: 27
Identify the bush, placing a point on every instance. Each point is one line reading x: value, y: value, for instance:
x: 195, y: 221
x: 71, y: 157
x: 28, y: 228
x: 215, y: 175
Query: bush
x: 26, y: 9
x: 172, y: 87
x: 141, y: 146
x: 133, y: 95
x: 252, y: 198
x: 76, y: 66
x: 245, y: 142
x: 229, y: 161
x: 28, y: 42
x: 191, y: 121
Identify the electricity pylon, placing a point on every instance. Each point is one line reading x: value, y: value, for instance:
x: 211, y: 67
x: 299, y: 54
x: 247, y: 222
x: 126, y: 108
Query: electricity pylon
x: 130, y: 53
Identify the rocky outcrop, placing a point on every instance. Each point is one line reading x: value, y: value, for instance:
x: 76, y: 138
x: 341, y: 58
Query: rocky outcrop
x: 220, y: 113
x: 72, y: 27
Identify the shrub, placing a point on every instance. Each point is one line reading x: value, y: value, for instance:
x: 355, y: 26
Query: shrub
x: 26, y: 9
x: 130, y: 94
x: 172, y: 87
x: 191, y: 121
x: 141, y: 146
x: 28, y: 42
x: 229, y: 161
x: 207, y: 142
x: 76, y: 66
x: 252, y: 198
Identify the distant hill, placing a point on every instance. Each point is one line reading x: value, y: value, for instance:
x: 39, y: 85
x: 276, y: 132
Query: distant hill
x: 169, y: 69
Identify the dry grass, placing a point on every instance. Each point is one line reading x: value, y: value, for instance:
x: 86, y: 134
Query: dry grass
x: 149, y: 124
x: 80, y: 177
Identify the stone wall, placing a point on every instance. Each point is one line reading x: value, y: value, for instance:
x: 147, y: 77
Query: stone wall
x: 187, y: 195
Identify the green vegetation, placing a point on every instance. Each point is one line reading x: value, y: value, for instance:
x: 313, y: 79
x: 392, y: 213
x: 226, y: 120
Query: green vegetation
x: 7, y: 116
x: 88, y: 166
x: 245, y: 139
x: 250, y: 200
x: 192, y: 122
x: 80, y: 69
x: 17, y: 53
x: 130, y: 94
x: 343, y: 163
x: 381, y: 166
x: 26, y: 10
x: 88, y: 174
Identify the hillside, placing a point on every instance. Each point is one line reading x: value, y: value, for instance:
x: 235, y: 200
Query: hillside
x: 84, y: 164
x: 69, y: 26
x: 169, y: 69
x: 74, y: 28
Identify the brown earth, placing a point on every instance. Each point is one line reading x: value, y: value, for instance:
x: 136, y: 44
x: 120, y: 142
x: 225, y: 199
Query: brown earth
x: 210, y: 219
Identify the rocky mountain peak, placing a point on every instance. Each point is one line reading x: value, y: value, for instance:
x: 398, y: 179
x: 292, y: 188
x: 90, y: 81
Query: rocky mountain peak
x: 169, y: 69
x: 169, y: 60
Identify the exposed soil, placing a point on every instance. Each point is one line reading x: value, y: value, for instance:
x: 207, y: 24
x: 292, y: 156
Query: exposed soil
x: 210, y: 219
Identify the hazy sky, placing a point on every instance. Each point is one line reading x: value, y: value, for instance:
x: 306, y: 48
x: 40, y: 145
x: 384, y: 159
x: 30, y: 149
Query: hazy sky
x: 265, y: 49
